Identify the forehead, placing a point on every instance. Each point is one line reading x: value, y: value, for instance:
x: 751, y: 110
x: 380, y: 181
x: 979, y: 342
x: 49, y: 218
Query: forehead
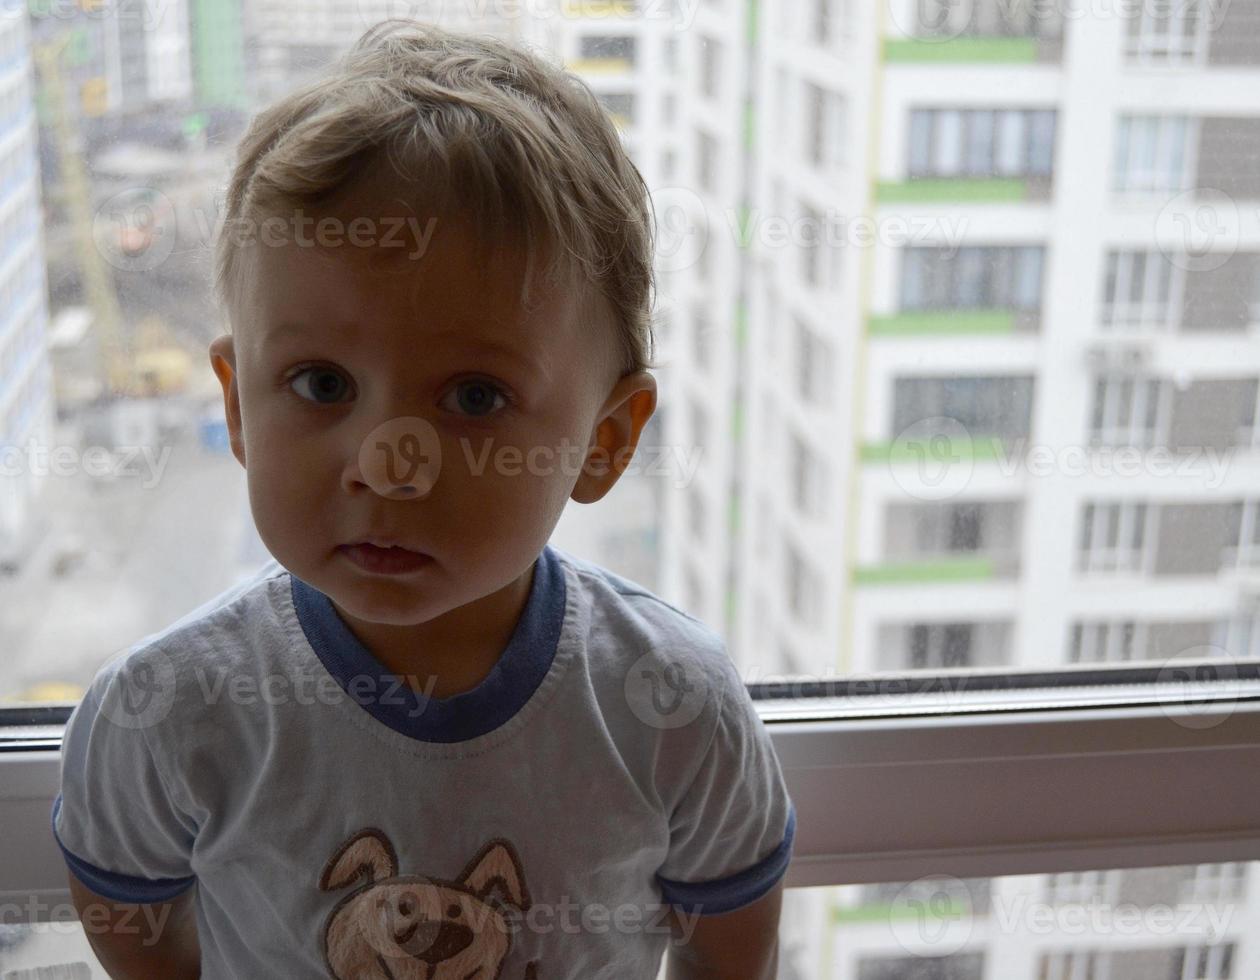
x: 379, y: 261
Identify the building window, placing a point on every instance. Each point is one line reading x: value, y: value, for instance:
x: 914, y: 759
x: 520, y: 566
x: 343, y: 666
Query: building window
x: 808, y: 478
x: 988, y: 18
x: 1168, y: 33
x: 620, y: 106
x: 813, y: 367
x: 702, y: 338
x: 706, y: 161
x: 981, y: 143
x: 983, y: 406
x: 804, y: 590
x: 940, y: 645
x: 603, y: 48
x: 824, y: 128
x: 696, y: 511
x: 1142, y: 289
x: 1128, y: 411
x: 1006, y: 277
x: 1150, y: 154
x: 1081, y: 887
x: 1245, y: 552
x: 1074, y: 965
x: 1113, y: 537
x: 699, y: 427
x: 710, y: 52
x: 1216, y: 884
x: 1107, y: 642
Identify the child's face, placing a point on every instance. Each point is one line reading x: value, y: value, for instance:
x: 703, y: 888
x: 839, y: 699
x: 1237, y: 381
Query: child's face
x: 334, y: 341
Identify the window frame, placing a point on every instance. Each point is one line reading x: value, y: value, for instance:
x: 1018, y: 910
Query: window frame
x: 860, y: 768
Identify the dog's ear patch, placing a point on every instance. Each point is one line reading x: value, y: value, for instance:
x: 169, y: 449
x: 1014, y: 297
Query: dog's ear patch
x: 497, y: 868
x: 370, y: 851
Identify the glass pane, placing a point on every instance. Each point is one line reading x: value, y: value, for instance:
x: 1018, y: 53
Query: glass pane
x: 1158, y: 923
x: 971, y: 328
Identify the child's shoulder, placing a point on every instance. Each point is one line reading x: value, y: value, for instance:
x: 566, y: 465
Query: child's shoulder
x: 236, y: 631
x: 651, y: 651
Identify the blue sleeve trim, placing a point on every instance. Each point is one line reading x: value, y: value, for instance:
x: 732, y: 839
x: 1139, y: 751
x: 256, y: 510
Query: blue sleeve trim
x: 737, y: 890
x: 113, y: 884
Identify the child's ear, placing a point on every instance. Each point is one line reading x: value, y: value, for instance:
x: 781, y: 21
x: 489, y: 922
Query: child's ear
x: 624, y: 414
x: 223, y: 361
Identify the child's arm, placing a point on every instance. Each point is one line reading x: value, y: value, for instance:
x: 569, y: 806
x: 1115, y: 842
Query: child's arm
x: 135, y: 943
x: 738, y: 945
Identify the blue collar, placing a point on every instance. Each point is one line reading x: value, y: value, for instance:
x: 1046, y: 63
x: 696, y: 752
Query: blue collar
x: 522, y: 666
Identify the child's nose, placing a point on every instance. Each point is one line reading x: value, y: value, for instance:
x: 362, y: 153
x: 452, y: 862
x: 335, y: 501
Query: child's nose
x: 400, y: 458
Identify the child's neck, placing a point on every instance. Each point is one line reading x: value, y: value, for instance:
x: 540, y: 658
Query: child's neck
x: 455, y: 652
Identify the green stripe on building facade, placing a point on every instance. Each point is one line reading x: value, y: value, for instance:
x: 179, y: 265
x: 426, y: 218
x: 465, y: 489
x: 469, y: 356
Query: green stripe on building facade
x: 980, y: 448
x: 953, y: 190
x: 942, y: 322
x: 963, y: 569
x: 1001, y: 49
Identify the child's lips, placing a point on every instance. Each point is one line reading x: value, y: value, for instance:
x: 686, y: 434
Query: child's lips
x: 388, y: 560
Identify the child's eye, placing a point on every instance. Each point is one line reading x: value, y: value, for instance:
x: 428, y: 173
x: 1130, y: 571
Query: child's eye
x: 476, y: 398
x: 326, y: 382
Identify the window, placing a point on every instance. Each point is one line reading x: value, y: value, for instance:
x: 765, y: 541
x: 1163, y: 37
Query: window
x: 702, y: 338
x: 1128, y: 411
x: 1244, y: 548
x: 1140, y: 291
x: 620, y: 105
x: 617, y: 48
x: 1152, y: 154
x: 706, y: 162
x: 803, y: 587
x: 813, y: 366
x: 809, y: 479
x: 710, y: 55
x: 814, y: 235
x: 1170, y: 34
x: 1015, y: 626
x: 983, y: 406
x: 973, y: 277
x: 1113, y: 537
x: 987, y: 18
x: 824, y: 128
x: 981, y: 143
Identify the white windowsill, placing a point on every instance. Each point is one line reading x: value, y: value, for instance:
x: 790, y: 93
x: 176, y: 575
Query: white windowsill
x: 979, y: 788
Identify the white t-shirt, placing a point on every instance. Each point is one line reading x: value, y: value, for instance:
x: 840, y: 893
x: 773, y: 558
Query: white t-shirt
x: 336, y: 823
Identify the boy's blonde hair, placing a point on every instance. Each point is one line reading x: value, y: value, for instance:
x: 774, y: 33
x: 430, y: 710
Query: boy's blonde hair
x: 488, y: 130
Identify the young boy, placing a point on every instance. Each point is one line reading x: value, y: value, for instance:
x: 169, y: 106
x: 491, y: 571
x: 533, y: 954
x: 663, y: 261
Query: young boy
x: 423, y: 742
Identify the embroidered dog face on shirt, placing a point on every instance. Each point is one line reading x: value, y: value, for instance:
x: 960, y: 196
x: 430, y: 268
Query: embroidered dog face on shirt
x: 412, y: 927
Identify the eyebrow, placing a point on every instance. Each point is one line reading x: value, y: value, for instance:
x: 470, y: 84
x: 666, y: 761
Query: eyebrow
x: 471, y: 345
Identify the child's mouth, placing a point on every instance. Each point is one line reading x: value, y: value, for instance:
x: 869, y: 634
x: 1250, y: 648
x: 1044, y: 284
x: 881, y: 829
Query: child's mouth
x: 387, y: 561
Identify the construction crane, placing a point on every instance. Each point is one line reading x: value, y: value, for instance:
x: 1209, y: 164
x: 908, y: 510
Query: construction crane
x: 157, y: 366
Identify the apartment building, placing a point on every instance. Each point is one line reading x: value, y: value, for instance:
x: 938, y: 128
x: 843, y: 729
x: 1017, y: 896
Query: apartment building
x: 995, y: 287
x: 26, y: 393
x: 629, y: 52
